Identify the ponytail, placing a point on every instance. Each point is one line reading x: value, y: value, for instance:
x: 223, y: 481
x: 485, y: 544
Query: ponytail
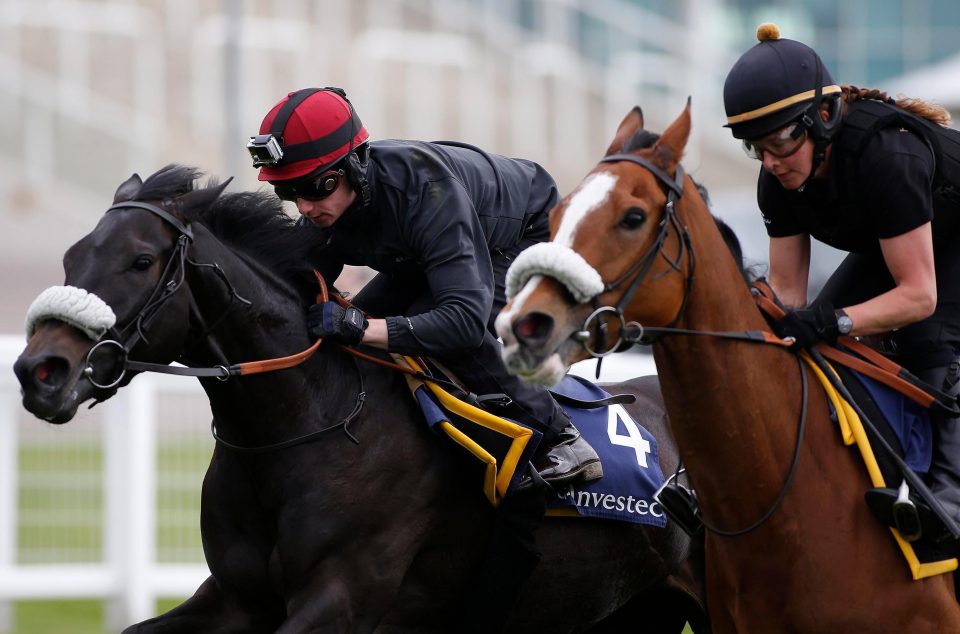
x: 917, y: 107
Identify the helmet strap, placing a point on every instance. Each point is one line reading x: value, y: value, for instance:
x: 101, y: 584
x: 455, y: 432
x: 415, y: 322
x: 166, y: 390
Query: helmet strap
x: 820, y: 132
x: 357, y: 176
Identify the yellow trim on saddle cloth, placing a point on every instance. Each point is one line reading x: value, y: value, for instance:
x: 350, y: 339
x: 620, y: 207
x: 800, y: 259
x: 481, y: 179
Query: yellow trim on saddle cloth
x: 852, y: 431
x: 496, y: 478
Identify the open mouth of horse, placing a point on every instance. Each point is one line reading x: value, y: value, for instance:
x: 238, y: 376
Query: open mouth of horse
x: 50, y: 371
x: 535, y: 351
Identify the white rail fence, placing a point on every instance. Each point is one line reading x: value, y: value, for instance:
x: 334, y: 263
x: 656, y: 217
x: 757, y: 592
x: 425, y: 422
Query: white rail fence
x: 106, y: 506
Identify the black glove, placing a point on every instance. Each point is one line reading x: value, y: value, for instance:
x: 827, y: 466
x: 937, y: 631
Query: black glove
x: 809, y: 326
x: 332, y: 320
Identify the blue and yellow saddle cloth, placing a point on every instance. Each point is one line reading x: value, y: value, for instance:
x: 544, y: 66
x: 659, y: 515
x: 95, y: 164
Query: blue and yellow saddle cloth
x: 501, y: 449
x: 631, y: 462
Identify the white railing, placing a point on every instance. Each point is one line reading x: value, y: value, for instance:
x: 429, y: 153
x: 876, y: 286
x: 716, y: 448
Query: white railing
x: 129, y: 573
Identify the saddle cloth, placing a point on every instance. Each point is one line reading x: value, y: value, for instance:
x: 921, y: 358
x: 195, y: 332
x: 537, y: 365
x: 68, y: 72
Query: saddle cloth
x: 497, y: 451
x: 915, y: 441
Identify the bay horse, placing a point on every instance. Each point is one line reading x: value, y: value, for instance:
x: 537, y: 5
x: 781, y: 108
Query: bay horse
x: 328, y: 526
x: 636, y: 236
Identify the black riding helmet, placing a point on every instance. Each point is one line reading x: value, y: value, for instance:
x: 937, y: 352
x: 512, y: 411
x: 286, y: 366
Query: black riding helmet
x: 776, y: 82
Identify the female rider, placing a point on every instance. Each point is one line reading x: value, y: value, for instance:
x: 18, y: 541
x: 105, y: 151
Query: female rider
x: 870, y: 176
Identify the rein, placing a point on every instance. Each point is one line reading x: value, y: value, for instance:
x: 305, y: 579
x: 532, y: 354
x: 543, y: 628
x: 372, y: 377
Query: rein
x: 634, y: 332
x: 170, y: 282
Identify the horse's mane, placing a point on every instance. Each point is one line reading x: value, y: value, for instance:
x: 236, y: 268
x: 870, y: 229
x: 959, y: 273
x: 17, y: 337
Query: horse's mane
x: 250, y: 222
x: 640, y: 140
x: 730, y: 238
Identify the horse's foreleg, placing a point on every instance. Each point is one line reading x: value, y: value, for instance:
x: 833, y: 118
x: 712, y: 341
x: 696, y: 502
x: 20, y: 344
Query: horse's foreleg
x: 212, y: 610
x: 331, y: 607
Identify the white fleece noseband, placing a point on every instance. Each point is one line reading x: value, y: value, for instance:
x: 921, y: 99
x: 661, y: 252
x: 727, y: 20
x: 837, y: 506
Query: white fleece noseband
x: 74, y: 306
x: 559, y: 262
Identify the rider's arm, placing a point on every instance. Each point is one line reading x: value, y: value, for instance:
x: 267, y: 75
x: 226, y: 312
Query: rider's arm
x: 790, y: 268
x: 896, y: 173
x: 909, y: 258
x: 376, y: 333
x: 442, y: 229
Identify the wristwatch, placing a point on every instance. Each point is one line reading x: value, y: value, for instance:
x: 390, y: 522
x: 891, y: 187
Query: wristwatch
x: 844, y: 323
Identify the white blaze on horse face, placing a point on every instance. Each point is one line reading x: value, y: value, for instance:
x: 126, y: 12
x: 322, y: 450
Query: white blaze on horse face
x: 504, y: 322
x: 592, y: 194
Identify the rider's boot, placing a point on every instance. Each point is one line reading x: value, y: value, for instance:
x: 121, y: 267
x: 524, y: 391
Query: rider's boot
x: 566, y: 457
x: 943, y: 478
x: 944, y: 474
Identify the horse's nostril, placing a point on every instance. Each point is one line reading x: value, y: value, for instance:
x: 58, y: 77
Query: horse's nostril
x: 533, y: 327
x: 42, y: 372
x: 49, y: 372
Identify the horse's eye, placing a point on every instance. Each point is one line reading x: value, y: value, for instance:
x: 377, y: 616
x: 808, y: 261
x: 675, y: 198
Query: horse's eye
x: 633, y: 218
x: 142, y: 263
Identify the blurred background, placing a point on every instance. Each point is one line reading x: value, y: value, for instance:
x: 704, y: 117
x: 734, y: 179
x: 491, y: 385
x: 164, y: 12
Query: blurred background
x: 99, y: 519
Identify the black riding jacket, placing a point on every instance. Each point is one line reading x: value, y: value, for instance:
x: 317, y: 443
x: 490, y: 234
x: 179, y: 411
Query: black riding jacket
x: 440, y: 209
x: 886, y: 191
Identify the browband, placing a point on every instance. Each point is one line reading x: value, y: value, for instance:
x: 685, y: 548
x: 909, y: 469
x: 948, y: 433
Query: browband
x: 157, y: 211
x: 674, y: 184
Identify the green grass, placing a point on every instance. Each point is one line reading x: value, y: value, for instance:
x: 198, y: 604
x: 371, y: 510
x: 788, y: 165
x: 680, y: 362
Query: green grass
x: 67, y: 617
x: 61, y: 500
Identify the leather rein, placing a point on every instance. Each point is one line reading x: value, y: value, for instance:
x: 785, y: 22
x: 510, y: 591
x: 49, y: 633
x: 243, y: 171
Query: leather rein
x: 633, y: 332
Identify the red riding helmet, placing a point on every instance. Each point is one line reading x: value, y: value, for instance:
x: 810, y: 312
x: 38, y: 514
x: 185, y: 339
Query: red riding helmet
x: 307, y: 131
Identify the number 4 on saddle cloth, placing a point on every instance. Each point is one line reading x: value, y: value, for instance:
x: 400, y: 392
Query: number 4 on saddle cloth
x: 496, y: 450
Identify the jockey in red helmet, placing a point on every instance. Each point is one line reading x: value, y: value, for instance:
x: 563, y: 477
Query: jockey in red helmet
x: 440, y: 223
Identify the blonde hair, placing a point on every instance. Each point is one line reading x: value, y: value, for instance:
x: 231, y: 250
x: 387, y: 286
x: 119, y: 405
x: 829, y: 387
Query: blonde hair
x: 923, y: 109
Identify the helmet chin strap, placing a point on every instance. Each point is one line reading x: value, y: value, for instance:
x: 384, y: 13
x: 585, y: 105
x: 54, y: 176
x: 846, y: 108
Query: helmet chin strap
x: 820, y: 134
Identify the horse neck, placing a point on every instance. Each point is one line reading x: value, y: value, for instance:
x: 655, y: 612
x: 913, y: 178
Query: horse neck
x: 272, y: 326
x: 733, y: 405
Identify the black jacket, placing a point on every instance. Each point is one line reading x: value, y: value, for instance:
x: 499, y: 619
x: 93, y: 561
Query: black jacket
x: 439, y: 210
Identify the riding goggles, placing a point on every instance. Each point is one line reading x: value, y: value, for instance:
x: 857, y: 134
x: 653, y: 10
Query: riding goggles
x: 781, y: 143
x: 315, y: 188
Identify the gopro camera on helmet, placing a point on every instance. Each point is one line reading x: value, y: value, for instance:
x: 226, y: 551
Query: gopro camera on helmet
x: 264, y: 150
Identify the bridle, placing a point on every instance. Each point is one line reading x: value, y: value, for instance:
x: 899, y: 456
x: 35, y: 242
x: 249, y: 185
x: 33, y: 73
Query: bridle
x: 125, y: 338
x: 634, y: 332
x: 639, y: 270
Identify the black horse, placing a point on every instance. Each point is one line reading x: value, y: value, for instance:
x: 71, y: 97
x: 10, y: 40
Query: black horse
x: 328, y: 535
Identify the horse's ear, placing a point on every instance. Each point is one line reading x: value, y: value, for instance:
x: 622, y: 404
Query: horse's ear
x: 669, y: 147
x: 628, y: 127
x: 193, y: 204
x: 128, y: 189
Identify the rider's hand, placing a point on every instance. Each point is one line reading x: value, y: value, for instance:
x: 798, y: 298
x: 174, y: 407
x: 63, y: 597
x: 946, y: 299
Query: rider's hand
x: 809, y: 326
x: 332, y: 320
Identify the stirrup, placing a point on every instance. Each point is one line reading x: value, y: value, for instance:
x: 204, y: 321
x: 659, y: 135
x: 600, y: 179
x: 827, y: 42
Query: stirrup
x: 906, y: 517
x: 681, y: 506
x: 894, y: 508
